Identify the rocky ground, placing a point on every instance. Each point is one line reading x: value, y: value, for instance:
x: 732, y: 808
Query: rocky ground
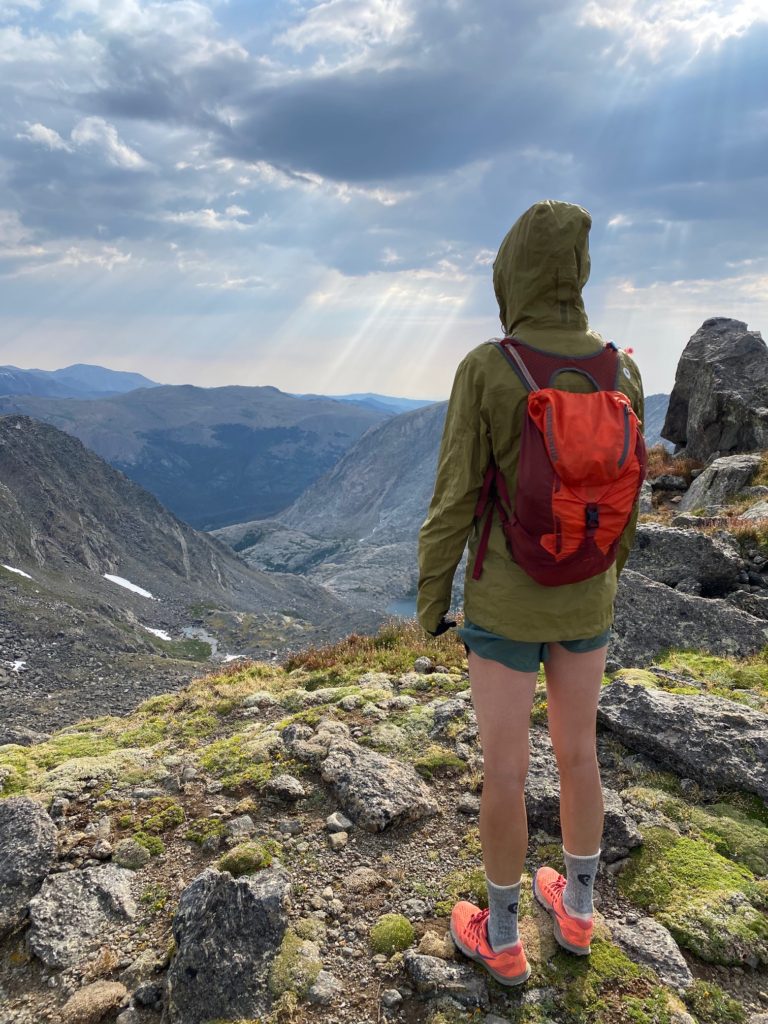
x: 228, y: 852
x: 65, y: 656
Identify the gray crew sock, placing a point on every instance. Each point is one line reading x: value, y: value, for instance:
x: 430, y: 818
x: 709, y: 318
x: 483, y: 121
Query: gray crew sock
x: 580, y: 875
x: 503, y: 901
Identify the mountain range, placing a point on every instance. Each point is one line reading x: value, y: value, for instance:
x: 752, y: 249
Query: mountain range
x: 213, y: 456
x: 80, y: 380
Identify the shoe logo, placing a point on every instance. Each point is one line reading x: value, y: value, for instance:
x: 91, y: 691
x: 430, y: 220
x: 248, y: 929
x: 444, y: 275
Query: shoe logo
x: 512, y: 908
x: 483, y: 956
x: 584, y: 879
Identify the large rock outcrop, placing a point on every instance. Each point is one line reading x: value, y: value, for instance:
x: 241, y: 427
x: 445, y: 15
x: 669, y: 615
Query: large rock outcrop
x: 652, y: 617
x: 27, y: 853
x: 227, y: 932
x: 711, y: 739
x: 698, y: 563
x: 722, y: 480
x: 719, y: 403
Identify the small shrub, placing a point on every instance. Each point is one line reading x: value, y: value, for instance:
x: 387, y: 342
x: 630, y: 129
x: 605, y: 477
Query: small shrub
x: 661, y: 462
x: 391, y: 934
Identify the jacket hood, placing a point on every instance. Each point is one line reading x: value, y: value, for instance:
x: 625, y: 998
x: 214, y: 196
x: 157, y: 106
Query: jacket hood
x: 542, y: 266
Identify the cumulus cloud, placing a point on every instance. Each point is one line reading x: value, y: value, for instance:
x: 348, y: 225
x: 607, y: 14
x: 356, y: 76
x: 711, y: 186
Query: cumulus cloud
x: 103, y: 136
x: 671, y: 28
x: 208, y: 219
x: 45, y: 136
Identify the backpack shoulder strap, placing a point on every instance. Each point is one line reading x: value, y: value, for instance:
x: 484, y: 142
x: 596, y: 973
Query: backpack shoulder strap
x: 516, y: 361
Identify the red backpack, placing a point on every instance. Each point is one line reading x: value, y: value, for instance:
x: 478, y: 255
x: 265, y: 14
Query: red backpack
x: 582, y: 464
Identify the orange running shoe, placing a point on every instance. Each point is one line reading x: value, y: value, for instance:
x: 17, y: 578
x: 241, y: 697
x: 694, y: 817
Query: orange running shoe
x: 573, y: 933
x: 469, y: 931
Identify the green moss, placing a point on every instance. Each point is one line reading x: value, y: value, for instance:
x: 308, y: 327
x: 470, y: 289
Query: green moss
x: 152, y: 844
x: 471, y: 848
x: 711, y: 1005
x: 721, y: 675
x: 205, y: 828
x: 245, y: 859
x: 239, y: 760
x: 749, y: 803
x: 711, y: 905
x: 296, y: 966
x: 67, y: 746
x: 464, y: 884
x: 604, y: 988
x: 551, y: 854
x: 165, y: 814
x: 310, y: 928
x: 729, y: 829
x: 637, y: 677
x: 437, y: 762
x: 391, y: 934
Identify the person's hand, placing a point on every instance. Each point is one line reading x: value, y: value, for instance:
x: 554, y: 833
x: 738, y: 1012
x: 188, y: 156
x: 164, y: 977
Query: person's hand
x: 443, y: 626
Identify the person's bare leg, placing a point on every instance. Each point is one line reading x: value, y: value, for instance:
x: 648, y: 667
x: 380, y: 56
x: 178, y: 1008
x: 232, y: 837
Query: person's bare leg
x: 502, y: 699
x: 573, y: 689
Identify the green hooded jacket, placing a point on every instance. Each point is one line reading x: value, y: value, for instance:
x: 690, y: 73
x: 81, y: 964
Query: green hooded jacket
x: 538, y: 276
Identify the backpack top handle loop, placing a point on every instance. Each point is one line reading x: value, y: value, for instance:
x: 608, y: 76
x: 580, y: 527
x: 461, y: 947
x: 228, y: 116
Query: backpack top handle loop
x: 573, y: 369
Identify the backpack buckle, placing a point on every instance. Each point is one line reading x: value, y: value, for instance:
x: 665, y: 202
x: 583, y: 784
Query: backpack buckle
x: 593, y: 518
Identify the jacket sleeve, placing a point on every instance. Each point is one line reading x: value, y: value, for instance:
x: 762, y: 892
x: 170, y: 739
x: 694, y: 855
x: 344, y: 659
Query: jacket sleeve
x: 464, y: 455
x: 635, y: 392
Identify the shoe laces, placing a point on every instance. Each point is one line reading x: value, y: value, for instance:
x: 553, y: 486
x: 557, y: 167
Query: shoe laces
x: 476, y: 925
x: 559, y: 884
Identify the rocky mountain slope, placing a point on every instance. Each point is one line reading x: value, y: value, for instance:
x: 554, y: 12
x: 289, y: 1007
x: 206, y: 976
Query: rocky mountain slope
x: 355, y: 529
x: 286, y: 843
x: 90, y: 564
x: 80, y: 380
x: 212, y: 455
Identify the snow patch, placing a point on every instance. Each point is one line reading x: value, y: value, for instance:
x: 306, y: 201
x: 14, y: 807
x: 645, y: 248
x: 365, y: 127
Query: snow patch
x: 158, y: 632
x: 17, y: 666
x: 233, y: 657
x: 128, y: 585
x: 21, y: 572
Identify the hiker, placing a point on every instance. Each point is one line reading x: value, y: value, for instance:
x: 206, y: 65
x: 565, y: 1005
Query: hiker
x: 544, y: 559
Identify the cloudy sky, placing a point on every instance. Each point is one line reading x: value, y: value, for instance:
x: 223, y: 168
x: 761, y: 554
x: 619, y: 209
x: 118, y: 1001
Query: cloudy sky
x: 310, y: 194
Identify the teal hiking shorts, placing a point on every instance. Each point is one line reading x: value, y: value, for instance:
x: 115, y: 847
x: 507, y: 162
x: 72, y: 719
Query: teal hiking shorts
x: 518, y: 654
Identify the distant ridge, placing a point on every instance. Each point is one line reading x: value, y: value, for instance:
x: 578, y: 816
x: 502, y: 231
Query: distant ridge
x: 80, y: 380
x: 384, y: 403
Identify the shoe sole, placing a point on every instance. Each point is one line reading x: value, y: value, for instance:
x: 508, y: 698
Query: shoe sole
x: 503, y: 979
x: 578, y: 950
